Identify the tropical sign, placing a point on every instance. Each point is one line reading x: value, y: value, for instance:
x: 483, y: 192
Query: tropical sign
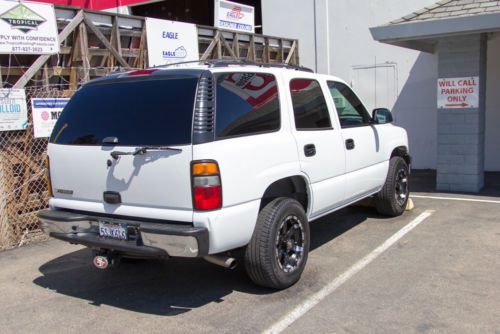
x: 22, y: 18
x: 28, y: 28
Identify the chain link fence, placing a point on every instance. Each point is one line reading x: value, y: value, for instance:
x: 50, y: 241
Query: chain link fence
x: 23, y: 176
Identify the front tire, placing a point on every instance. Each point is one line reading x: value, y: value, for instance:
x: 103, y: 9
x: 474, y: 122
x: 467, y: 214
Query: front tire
x: 393, y: 198
x: 278, y: 251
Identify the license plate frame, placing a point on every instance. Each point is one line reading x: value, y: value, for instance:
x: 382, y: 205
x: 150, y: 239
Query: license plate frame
x: 111, y: 230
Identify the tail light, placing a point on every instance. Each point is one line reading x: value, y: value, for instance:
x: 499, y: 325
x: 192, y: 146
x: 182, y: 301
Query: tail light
x: 47, y: 174
x: 207, y: 188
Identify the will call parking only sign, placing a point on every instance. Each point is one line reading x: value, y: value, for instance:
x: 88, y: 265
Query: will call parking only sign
x: 458, y: 92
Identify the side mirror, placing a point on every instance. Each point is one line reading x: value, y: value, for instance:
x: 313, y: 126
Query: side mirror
x: 381, y: 116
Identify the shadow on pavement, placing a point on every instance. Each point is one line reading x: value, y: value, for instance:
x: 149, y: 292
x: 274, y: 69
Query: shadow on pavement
x: 147, y: 286
x: 177, y: 286
x: 329, y: 227
x: 170, y: 287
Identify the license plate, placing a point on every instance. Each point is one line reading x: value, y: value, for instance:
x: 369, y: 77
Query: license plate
x: 113, y: 230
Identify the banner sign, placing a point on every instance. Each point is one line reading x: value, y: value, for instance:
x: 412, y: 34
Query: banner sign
x: 13, y: 110
x: 28, y: 28
x: 458, y: 92
x: 234, y: 16
x: 45, y: 113
x: 171, y: 42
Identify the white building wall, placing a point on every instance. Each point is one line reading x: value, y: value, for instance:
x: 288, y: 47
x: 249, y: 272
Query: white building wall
x: 492, y: 131
x: 292, y: 19
x: 384, y: 75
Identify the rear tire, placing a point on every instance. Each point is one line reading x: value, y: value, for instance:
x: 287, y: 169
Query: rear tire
x: 393, y: 198
x: 278, y: 251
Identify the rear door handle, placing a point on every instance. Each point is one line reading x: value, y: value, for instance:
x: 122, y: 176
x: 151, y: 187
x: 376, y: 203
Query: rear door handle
x: 349, y: 144
x: 309, y: 150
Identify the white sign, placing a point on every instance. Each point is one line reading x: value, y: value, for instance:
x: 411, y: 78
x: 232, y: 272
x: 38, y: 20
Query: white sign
x: 45, y: 113
x: 28, y: 28
x: 458, y: 92
x: 171, y: 42
x: 13, y: 109
x: 234, y: 16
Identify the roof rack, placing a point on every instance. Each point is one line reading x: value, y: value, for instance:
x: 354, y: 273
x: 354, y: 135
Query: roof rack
x: 288, y: 66
x: 227, y: 62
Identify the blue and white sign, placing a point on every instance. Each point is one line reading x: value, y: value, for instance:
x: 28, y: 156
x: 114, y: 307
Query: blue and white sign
x: 171, y: 41
x: 234, y: 16
x: 45, y: 113
x: 13, y: 109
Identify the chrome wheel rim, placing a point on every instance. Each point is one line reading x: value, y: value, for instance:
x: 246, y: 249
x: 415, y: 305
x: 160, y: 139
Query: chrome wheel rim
x: 402, y: 189
x: 290, y: 244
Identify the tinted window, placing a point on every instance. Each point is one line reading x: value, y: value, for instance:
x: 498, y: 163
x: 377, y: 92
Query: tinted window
x: 247, y: 103
x: 349, y: 108
x: 309, y: 105
x: 152, y: 112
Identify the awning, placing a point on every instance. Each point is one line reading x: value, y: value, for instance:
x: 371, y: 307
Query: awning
x: 421, y: 29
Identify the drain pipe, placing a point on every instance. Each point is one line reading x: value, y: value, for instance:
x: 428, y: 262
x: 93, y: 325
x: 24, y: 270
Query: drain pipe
x: 223, y: 261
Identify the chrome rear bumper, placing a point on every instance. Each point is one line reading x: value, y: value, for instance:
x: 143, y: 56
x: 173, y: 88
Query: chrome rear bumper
x: 146, y: 239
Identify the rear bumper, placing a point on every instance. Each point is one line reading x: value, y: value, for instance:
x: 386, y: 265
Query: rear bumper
x: 146, y: 239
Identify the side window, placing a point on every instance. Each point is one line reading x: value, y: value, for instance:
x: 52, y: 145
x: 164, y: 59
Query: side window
x: 349, y: 108
x: 309, y: 105
x: 246, y: 103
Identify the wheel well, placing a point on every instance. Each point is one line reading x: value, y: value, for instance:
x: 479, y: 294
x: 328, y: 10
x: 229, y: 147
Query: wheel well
x: 292, y: 187
x: 402, y: 151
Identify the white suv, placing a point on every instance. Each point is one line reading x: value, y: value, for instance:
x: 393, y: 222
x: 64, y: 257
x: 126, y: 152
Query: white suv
x: 200, y: 160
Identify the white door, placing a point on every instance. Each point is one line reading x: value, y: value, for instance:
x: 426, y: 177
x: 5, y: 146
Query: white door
x: 365, y: 160
x: 319, y: 144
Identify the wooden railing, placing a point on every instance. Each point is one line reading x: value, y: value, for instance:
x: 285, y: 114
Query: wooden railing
x: 95, y: 43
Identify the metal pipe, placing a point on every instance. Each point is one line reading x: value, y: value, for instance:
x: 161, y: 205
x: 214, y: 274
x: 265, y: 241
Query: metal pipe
x: 223, y: 261
x: 327, y: 10
x: 315, y: 39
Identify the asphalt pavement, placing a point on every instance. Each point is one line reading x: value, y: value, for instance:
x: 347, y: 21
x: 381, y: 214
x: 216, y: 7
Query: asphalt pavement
x: 442, y: 276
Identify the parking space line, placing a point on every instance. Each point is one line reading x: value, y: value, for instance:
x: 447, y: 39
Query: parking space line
x: 313, y: 300
x: 456, y: 199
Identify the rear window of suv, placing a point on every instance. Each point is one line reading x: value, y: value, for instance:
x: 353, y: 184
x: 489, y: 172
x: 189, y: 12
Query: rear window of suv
x: 149, y: 112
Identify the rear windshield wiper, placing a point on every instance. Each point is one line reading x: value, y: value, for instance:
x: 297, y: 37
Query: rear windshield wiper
x: 143, y: 150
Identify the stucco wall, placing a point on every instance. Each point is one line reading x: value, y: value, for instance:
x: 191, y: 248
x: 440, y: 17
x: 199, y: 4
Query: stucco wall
x: 384, y: 75
x: 292, y: 19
